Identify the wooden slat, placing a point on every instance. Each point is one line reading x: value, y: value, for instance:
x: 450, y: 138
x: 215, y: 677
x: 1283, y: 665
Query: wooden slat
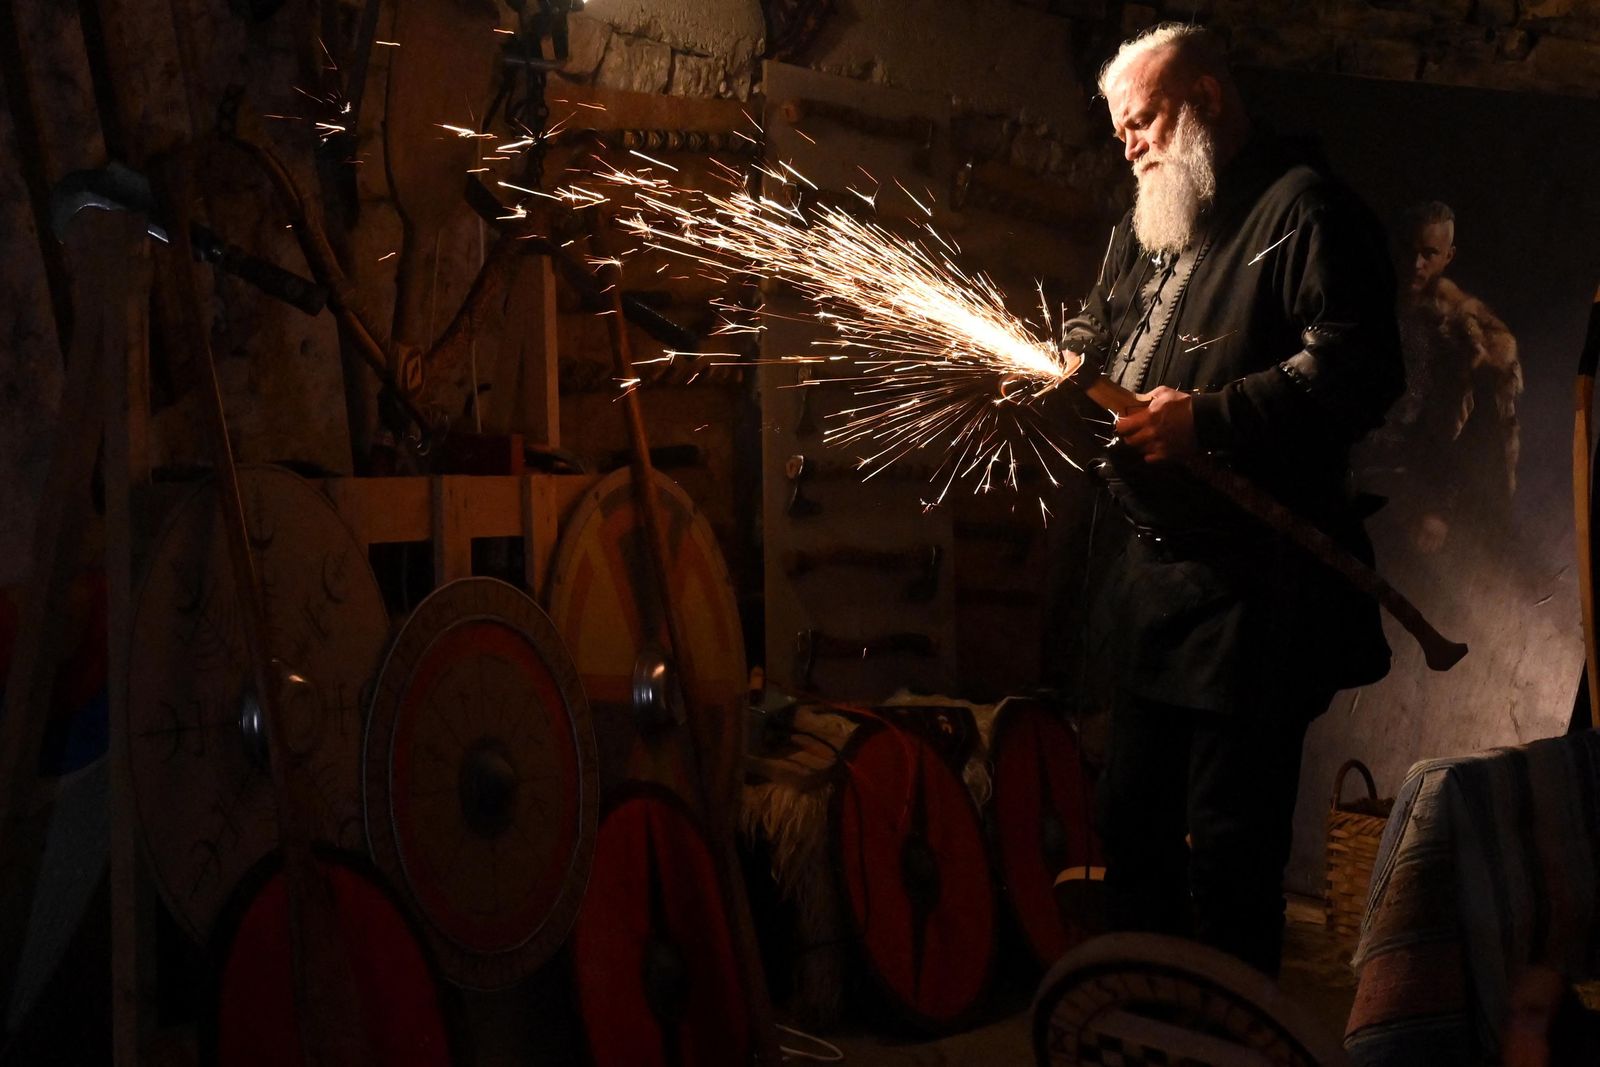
x: 127, y: 469
x: 452, y: 543
x: 540, y: 529
x: 388, y: 510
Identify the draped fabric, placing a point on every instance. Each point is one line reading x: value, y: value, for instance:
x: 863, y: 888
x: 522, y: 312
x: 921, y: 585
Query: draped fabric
x: 1489, y: 863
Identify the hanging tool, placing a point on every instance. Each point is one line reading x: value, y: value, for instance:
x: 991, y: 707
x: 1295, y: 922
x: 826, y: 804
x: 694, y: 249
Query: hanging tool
x: 813, y: 645
x: 924, y: 560
x: 116, y: 187
x: 324, y: 986
x: 437, y: 76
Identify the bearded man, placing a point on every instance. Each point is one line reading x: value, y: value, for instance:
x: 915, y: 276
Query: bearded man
x: 1249, y: 299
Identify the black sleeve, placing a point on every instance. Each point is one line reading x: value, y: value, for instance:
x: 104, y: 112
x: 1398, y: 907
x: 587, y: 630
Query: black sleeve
x: 1337, y: 288
x: 1089, y: 333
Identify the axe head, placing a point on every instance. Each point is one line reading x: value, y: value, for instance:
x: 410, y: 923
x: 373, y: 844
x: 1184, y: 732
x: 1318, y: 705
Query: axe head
x: 112, y: 187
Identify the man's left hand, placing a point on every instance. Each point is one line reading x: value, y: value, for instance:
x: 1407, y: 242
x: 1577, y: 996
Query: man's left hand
x: 1163, y: 429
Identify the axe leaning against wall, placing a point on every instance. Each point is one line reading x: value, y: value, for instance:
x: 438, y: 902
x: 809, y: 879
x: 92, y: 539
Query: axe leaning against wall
x: 1583, y: 500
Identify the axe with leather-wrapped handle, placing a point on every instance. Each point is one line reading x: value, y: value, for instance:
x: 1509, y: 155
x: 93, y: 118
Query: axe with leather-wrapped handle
x: 1440, y: 652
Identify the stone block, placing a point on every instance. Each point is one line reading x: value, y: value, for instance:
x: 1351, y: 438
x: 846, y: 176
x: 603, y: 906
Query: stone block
x: 1036, y: 150
x: 1439, y: 10
x: 1380, y: 58
x: 1451, y: 61
x: 1495, y: 13
x: 635, y: 63
x: 975, y: 136
x: 1582, y: 28
x: 586, y: 45
x: 697, y: 76
x: 1357, y: 17
x: 1560, y: 8
x: 732, y: 30
x: 1564, y: 65
x: 1294, y: 46
x: 1515, y: 44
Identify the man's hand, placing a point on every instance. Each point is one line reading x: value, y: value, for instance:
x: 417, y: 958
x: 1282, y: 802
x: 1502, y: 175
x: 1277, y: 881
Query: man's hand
x: 1162, y: 429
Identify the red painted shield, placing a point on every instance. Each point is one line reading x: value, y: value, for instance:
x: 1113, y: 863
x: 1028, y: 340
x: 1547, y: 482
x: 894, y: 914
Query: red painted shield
x: 399, y: 996
x: 657, y: 978
x: 915, y: 876
x: 1041, y: 810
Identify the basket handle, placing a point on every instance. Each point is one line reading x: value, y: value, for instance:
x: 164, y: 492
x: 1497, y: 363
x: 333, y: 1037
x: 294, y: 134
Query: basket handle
x: 1366, y: 776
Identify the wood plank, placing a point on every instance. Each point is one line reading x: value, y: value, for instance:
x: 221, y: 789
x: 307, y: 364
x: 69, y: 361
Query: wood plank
x: 452, y: 543
x: 541, y: 528
x: 387, y: 510
x: 127, y: 469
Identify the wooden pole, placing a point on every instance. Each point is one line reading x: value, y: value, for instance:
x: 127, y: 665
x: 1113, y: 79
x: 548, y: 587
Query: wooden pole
x: 327, y: 1008
x: 714, y: 800
x: 1583, y: 503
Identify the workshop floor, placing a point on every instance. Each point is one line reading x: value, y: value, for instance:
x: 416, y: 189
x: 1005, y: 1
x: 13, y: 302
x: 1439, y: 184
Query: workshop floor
x: 1315, y: 972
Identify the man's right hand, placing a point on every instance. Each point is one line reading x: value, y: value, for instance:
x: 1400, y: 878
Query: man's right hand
x: 1163, y: 429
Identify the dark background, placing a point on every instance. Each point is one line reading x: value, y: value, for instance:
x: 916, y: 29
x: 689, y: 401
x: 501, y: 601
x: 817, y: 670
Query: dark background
x: 1521, y: 178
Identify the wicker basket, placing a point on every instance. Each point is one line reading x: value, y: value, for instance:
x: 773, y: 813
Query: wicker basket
x: 1354, y: 829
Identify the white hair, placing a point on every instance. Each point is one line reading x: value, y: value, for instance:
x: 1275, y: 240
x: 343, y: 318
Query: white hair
x: 1173, y: 196
x: 1199, y: 45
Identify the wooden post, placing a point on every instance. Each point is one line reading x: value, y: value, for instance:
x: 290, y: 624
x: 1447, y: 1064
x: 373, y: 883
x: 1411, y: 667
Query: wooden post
x: 127, y: 471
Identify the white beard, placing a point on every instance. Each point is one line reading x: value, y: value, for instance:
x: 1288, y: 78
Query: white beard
x: 1173, y: 195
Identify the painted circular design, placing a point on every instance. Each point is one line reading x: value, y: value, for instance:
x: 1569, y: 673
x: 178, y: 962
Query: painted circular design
x: 481, y: 791
x: 914, y: 875
x: 205, y: 800
x: 1042, y: 813
x: 657, y: 979
x: 254, y: 1020
x: 1152, y: 999
x: 606, y: 606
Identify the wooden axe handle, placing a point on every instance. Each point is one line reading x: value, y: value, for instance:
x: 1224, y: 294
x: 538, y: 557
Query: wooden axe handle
x: 1583, y: 502
x: 1440, y: 652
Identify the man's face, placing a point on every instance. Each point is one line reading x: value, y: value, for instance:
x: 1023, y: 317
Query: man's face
x: 1432, y: 249
x: 1144, y: 111
x: 1172, y: 149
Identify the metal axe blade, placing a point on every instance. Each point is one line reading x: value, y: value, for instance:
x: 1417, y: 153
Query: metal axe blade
x: 113, y: 187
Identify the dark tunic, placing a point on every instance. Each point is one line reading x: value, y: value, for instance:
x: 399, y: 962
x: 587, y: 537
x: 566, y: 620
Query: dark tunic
x: 1280, y: 318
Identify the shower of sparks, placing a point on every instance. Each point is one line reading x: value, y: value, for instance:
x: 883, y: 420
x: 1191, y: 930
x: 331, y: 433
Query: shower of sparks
x: 934, y: 357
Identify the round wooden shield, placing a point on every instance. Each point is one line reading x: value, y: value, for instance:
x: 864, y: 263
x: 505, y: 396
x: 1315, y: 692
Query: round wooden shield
x: 481, y: 791
x: 1151, y: 999
x: 1041, y: 812
x: 658, y: 983
x: 200, y: 780
x: 914, y: 875
x: 253, y: 1020
x: 606, y: 606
